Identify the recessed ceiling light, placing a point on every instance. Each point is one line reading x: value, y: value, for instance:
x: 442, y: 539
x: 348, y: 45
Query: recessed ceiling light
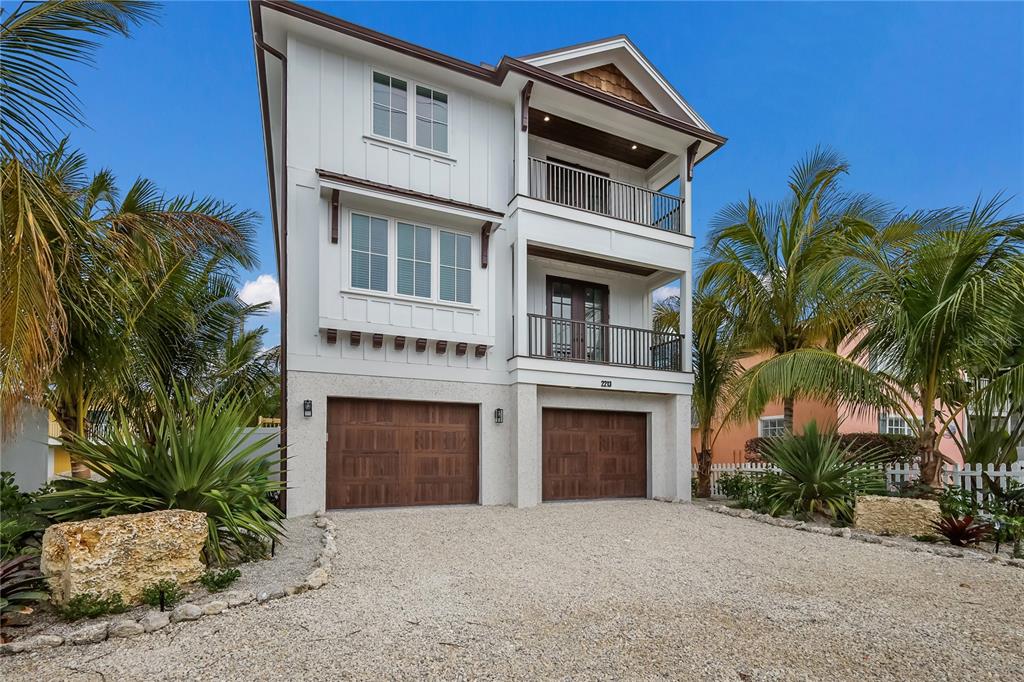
x: 547, y: 118
x: 634, y: 146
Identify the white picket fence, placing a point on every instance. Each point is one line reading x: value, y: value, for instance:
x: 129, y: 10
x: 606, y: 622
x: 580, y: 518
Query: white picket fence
x: 967, y: 476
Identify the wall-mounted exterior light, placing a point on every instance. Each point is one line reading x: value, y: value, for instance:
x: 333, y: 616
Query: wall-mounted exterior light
x: 307, y: 408
x: 499, y: 416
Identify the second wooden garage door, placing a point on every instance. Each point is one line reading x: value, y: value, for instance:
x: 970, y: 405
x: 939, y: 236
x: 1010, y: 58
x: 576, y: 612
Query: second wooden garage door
x: 591, y: 454
x: 389, y: 453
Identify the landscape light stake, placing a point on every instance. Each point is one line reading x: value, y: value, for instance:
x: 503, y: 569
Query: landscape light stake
x: 997, y: 526
x: 161, y: 600
x: 273, y: 546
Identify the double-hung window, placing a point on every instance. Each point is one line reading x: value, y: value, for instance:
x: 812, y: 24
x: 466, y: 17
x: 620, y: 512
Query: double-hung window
x: 456, y: 271
x: 431, y: 119
x: 413, y: 260
x: 369, y: 252
x: 894, y: 424
x: 772, y: 426
x: 390, y: 107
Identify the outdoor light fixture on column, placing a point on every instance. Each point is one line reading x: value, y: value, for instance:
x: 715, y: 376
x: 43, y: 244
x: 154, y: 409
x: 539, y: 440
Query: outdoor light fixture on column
x: 499, y: 416
x: 307, y: 408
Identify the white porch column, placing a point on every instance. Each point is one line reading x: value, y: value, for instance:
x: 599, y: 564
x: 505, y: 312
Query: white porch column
x: 685, y: 193
x: 526, y: 447
x: 521, y: 342
x: 686, y: 318
x: 521, y: 184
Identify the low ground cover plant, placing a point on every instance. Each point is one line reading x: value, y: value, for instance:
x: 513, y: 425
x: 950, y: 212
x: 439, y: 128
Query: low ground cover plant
x: 962, y: 531
x: 165, y: 593
x: 215, y: 581
x: 92, y: 605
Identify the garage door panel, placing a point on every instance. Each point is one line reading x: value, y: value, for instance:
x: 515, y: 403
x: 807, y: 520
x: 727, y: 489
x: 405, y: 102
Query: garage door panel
x: 592, y: 454
x: 396, y: 453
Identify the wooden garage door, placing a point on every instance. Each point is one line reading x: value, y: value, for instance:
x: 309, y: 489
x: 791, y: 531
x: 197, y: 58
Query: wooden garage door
x: 590, y: 454
x: 389, y: 453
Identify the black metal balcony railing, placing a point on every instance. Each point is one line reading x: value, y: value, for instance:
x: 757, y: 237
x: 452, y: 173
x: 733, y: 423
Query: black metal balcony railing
x: 588, y: 191
x: 605, y: 344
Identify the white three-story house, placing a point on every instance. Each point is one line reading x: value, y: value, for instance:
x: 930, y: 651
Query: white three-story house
x: 467, y: 258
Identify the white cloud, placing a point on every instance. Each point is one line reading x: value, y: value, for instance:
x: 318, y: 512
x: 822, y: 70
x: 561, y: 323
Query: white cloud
x: 262, y: 290
x: 661, y: 293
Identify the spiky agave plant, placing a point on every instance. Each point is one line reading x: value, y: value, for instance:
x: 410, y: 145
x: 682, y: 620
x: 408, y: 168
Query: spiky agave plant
x: 197, y: 455
x: 821, y: 473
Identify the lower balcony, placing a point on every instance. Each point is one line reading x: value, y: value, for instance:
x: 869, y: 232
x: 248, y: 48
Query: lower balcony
x: 597, y: 343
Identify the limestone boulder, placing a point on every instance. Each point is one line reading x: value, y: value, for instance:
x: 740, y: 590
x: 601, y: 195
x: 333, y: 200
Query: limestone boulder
x: 123, y: 554
x: 895, y: 515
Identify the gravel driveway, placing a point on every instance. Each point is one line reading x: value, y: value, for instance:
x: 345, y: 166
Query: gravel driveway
x: 632, y: 589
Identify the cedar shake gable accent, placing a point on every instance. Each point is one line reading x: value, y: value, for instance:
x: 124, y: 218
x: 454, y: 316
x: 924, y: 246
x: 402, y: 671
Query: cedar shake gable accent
x: 609, y: 79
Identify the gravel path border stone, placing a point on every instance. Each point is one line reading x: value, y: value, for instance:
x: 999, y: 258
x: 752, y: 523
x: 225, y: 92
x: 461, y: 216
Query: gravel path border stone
x: 152, y: 621
x: 870, y: 538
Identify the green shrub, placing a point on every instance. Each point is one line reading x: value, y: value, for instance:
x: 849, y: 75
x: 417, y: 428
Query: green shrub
x: 173, y: 593
x: 819, y: 473
x: 894, y: 448
x: 958, y: 502
x: 197, y: 456
x: 215, y: 581
x: 91, y: 605
x: 21, y: 584
x: 748, y: 489
x: 928, y: 537
x: 21, y: 526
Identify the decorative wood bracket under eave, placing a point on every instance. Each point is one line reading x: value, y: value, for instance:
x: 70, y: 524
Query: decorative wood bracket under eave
x: 525, y: 95
x: 485, y: 243
x: 691, y: 159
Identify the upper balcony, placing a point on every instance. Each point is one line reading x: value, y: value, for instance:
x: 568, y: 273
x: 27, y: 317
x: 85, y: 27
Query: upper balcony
x: 573, y: 186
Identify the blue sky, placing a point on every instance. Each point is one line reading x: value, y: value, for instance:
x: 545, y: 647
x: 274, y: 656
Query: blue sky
x: 926, y: 101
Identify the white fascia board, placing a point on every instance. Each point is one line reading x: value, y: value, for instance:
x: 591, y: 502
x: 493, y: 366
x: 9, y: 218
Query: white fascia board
x: 546, y: 372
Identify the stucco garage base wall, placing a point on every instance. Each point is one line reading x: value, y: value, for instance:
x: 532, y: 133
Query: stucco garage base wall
x: 307, y: 436
x: 668, y: 436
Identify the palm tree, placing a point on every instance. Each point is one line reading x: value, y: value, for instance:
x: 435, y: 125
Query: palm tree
x: 940, y: 296
x: 946, y: 301
x: 144, y: 251
x: 42, y: 230
x: 778, y: 267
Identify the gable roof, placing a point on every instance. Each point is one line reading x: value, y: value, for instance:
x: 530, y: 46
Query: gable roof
x: 620, y: 53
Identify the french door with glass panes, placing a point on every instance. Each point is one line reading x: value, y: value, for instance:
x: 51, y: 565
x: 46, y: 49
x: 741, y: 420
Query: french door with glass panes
x: 578, y: 318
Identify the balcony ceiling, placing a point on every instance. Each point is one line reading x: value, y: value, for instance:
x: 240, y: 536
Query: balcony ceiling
x: 590, y: 261
x: 559, y: 129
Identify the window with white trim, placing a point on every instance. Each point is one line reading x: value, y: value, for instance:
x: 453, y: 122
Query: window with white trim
x: 455, y: 281
x: 771, y: 426
x: 369, y: 252
x: 390, y: 107
x: 414, y: 272
x: 894, y: 424
x: 431, y: 119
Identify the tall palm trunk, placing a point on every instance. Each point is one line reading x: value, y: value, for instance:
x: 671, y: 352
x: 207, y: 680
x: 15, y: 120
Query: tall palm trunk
x: 704, y: 473
x: 787, y: 412
x: 74, y: 420
x: 931, y: 462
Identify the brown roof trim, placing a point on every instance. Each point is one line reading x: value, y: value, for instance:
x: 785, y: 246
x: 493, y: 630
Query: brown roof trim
x: 402, y: 191
x: 495, y: 76
x: 537, y: 73
x: 375, y: 37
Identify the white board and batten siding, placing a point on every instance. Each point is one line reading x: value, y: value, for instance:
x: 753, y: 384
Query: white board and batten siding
x: 330, y: 127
